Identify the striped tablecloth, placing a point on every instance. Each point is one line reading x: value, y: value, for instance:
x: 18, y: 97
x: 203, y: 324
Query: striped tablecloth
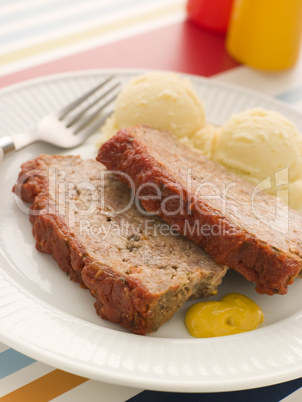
x: 50, y: 36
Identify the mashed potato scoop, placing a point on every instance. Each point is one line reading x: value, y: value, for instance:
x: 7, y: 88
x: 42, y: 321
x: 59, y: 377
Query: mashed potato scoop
x: 163, y: 100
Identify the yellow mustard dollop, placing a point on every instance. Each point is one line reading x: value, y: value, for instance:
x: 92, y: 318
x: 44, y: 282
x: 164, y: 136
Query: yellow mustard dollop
x: 234, y: 314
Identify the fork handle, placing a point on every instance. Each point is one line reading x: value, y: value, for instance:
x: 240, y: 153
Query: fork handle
x: 7, y: 146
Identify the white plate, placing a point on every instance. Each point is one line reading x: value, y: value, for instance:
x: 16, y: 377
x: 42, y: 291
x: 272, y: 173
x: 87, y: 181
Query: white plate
x: 52, y: 319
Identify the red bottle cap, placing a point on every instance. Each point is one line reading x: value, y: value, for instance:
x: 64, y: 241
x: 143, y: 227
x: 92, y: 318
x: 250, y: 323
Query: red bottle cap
x: 212, y: 15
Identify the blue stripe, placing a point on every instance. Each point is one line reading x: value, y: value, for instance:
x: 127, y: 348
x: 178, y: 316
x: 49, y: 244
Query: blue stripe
x: 272, y: 393
x: 291, y: 96
x: 58, y: 22
x: 12, y: 361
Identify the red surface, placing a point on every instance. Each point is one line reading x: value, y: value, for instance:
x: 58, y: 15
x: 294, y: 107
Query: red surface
x: 181, y: 47
x: 210, y: 14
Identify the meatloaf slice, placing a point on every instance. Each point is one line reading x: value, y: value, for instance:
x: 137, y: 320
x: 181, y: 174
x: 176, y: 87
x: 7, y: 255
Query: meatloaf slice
x: 248, y: 231
x: 139, y: 271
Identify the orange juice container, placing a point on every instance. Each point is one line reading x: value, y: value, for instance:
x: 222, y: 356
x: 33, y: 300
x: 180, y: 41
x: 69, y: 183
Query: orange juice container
x: 265, y: 34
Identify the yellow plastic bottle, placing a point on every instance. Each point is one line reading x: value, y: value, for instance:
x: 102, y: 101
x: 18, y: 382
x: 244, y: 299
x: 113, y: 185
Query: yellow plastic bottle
x: 265, y: 34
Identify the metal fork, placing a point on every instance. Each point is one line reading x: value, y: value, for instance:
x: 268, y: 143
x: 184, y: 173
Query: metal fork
x: 62, y: 128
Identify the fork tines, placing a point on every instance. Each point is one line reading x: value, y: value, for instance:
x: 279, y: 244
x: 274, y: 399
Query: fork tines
x: 89, y: 106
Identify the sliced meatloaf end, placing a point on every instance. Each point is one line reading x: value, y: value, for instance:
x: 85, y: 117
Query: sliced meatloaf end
x: 139, y: 274
x: 245, y: 230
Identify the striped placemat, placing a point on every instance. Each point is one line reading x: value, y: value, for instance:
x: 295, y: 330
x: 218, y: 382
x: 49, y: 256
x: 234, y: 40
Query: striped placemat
x: 33, y: 32
x: 24, y: 379
x: 49, y: 36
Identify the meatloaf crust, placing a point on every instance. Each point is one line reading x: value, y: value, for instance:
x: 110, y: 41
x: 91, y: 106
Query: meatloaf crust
x: 245, y: 230
x: 83, y: 216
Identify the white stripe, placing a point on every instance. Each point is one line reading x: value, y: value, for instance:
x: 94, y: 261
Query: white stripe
x: 8, y: 10
x: 64, y: 31
x: 68, y: 29
x: 270, y: 83
x: 22, y: 377
x: 19, y: 6
x: 67, y: 12
x: 55, y: 54
x: 97, y: 391
x: 297, y: 106
x: 294, y: 397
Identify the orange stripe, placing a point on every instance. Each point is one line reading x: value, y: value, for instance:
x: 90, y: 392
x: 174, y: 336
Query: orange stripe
x: 45, y: 388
